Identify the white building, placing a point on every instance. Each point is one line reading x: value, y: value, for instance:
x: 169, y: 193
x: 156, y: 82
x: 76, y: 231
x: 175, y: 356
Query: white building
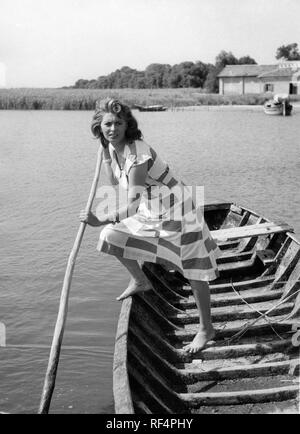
x: 246, y: 79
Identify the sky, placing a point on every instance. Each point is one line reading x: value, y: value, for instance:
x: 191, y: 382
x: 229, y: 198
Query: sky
x: 54, y: 43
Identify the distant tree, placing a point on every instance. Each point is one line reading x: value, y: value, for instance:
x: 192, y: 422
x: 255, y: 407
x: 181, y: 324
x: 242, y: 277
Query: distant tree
x: 156, y: 75
x: 126, y: 76
x: 140, y: 82
x: 225, y: 58
x: 197, y: 74
x: 93, y: 84
x: 288, y: 52
x: 180, y: 75
x: 101, y: 83
x: 81, y: 83
x: 159, y: 75
x: 211, y: 84
x: 175, y: 79
x: 246, y: 60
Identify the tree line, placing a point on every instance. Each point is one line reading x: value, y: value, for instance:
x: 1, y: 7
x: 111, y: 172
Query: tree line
x: 183, y: 75
x: 157, y: 75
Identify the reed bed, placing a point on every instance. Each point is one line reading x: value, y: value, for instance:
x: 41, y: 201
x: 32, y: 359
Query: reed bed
x: 84, y: 99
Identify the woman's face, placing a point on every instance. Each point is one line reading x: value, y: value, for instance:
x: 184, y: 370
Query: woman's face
x: 113, y: 128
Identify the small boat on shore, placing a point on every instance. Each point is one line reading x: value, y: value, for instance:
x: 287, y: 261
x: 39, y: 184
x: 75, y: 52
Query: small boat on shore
x: 252, y: 366
x: 279, y: 105
x: 151, y: 108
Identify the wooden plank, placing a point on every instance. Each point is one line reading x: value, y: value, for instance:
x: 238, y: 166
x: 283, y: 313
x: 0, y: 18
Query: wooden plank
x: 163, y: 408
x: 229, y: 245
x: 236, y: 209
x: 245, y: 218
x: 241, y: 371
x: 243, y: 284
x: 241, y: 397
x: 238, y: 265
x: 250, y: 231
x: 267, y: 257
x: 216, y: 205
x: 238, y: 312
x: 149, y: 381
x: 140, y: 405
x: 230, y: 257
x: 220, y: 288
x: 228, y: 300
x: 262, y: 347
x: 228, y: 329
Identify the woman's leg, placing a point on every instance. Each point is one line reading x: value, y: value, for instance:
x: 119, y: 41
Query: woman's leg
x: 138, y: 282
x: 206, y: 331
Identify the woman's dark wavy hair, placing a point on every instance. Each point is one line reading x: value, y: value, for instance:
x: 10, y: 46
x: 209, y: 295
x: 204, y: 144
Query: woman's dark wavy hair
x: 111, y: 105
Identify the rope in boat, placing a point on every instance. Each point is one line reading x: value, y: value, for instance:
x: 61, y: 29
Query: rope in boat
x: 256, y: 310
x: 166, y: 284
x: 247, y: 326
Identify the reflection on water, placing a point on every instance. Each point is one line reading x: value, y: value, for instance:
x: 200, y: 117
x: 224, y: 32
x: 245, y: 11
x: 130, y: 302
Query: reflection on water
x: 47, y: 165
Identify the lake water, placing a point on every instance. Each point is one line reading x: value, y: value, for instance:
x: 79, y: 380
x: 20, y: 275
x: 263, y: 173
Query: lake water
x: 47, y: 162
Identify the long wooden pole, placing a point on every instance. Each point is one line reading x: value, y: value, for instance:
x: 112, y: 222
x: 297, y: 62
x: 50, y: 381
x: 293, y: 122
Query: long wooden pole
x: 50, y: 377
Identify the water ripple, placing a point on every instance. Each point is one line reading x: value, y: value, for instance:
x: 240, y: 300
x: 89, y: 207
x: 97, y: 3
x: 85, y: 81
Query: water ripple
x: 48, y: 164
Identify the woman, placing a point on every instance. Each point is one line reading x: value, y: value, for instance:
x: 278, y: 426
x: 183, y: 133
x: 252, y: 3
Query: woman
x: 154, y: 225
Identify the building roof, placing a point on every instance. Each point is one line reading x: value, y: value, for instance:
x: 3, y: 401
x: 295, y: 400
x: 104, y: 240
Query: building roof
x: 278, y: 72
x: 245, y: 70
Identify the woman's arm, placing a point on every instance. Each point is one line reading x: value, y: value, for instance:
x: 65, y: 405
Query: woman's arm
x: 89, y: 218
x: 107, y: 166
x: 137, y: 177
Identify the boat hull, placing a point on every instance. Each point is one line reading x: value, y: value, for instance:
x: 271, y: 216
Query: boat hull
x: 273, y: 109
x: 153, y: 108
x: 253, y: 364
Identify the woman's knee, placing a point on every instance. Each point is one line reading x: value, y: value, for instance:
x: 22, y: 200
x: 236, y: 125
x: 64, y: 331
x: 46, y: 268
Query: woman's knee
x: 108, y: 234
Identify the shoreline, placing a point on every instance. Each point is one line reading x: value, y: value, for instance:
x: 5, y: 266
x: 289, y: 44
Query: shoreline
x: 173, y: 99
x: 208, y: 107
x: 228, y: 107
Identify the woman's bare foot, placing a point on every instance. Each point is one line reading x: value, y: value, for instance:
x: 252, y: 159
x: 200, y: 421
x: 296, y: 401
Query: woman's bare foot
x: 200, y: 341
x: 134, y: 287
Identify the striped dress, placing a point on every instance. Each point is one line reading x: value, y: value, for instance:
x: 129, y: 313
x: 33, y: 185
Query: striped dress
x: 167, y: 228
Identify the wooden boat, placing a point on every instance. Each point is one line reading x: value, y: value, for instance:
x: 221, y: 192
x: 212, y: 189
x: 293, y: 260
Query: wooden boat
x: 278, y: 106
x: 253, y: 364
x: 151, y: 108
